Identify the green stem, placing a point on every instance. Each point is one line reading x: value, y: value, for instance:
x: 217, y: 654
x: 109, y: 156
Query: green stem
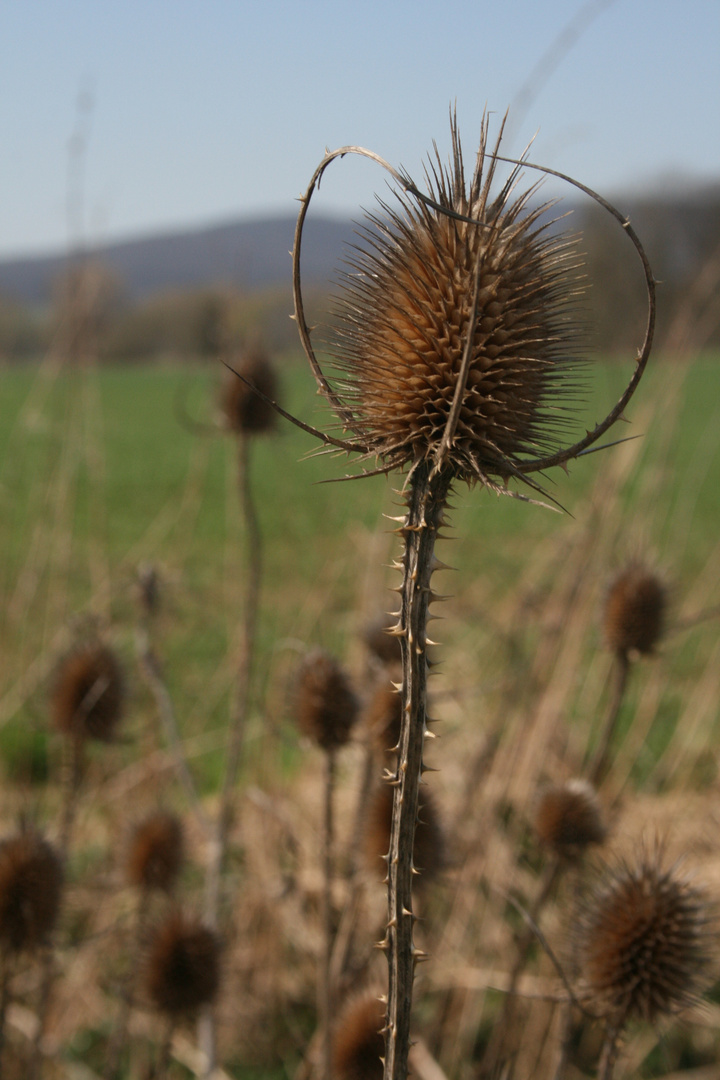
x: 425, y: 514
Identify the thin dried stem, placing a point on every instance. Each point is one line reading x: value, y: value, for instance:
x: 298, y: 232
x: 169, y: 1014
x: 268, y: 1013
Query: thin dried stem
x: 600, y: 763
x: 152, y: 673
x: 236, y: 732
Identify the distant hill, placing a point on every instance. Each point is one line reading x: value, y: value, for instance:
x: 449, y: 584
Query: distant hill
x: 252, y: 255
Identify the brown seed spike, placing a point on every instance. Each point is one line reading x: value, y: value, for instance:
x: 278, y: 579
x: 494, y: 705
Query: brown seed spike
x: 568, y: 818
x: 635, y: 610
x: 407, y: 309
x: 325, y: 705
x: 647, y: 937
x: 244, y: 412
x: 89, y: 693
x: 182, y: 965
x: 31, y: 880
x: 359, y: 1042
x: 156, y: 852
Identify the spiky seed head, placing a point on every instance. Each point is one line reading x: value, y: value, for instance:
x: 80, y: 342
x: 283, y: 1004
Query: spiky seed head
x: 89, y: 693
x: 31, y: 880
x: 244, y: 412
x: 359, y: 1042
x: 647, y: 938
x: 182, y: 965
x: 325, y: 704
x: 635, y: 610
x: 405, y: 312
x: 429, y: 846
x: 568, y: 818
x: 384, y: 647
x: 156, y: 851
x: 383, y: 713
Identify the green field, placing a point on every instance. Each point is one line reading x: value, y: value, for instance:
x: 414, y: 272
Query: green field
x: 102, y: 471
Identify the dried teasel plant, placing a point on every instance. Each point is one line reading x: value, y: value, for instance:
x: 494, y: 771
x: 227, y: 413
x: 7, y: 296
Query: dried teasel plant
x: 326, y: 709
x: 634, y: 620
x: 647, y: 942
x: 457, y: 357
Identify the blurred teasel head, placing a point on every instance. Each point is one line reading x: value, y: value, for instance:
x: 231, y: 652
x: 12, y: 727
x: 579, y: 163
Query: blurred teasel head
x: 245, y: 412
x: 635, y: 611
x: 326, y: 707
x: 182, y: 965
x: 88, y: 697
x: 568, y: 818
x: 31, y: 880
x: 647, y: 940
x: 156, y: 852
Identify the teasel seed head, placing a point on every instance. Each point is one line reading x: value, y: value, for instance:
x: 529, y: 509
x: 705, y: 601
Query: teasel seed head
x: 406, y: 310
x: 244, y: 412
x: 568, y: 818
x: 429, y: 847
x: 31, y: 880
x: 325, y: 704
x: 359, y: 1041
x: 647, y: 940
x: 156, y: 852
x: 635, y: 610
x: 89, y: 693
x: 182, y: 965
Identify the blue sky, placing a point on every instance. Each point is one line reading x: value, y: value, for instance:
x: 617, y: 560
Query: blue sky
x: 204, y: 112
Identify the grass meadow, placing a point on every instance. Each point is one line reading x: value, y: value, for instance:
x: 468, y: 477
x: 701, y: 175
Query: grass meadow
x: 105, y: 471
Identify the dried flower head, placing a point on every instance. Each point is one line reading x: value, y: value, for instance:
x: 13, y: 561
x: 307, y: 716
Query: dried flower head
x: 31, y: 880
x: 325, y: 705
x: 383, y: 645
x: 89, y: 693
x: 156, y: 852
x: 182, y: 965
x: 382, y: 714
x: 429, y: 847
x: 635, y: 609
x: 243, y: 410
x: 568, y: 818
x: 408, y: 306
x: 359, y: 1041
x: 647, y: 937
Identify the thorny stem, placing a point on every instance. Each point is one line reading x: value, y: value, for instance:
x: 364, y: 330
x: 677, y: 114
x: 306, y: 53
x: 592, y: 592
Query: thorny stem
x: 236, y: 733
x: 426, y: 502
